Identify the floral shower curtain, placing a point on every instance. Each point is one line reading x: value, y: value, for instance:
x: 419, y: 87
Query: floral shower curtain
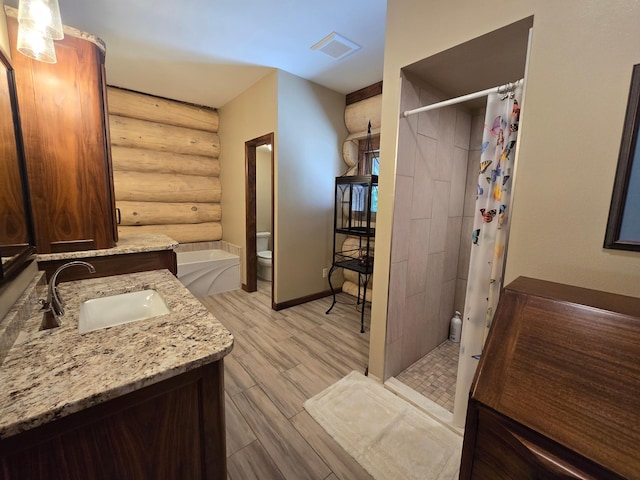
x: 492, y: 213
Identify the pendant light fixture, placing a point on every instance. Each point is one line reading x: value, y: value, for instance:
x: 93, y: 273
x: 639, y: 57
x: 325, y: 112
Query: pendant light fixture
x: 39, y: 23
x: 35, y: 45
x: 43, y: 16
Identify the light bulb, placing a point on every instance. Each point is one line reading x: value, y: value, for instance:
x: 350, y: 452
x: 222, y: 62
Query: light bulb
x: 43, y: 16
x: 34, y: 44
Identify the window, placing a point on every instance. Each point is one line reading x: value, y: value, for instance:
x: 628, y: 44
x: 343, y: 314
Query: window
x: 373, y: 159
x: 369, y: 163
x: 369, y: 156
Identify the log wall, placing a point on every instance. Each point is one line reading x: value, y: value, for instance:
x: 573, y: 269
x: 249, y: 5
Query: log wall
x: 357, y: 117
x: 165, y: 166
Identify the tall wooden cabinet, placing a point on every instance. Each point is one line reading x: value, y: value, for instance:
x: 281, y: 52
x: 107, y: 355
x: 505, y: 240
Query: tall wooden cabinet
x: 67, y: 148
x: 557, y: 391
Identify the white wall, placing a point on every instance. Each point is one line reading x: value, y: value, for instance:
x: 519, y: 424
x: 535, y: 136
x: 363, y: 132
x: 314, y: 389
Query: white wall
x: 310, y: 134
x: 578, y: 83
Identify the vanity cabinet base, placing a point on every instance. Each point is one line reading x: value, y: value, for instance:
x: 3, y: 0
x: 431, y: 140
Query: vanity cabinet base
x: 174, y: 429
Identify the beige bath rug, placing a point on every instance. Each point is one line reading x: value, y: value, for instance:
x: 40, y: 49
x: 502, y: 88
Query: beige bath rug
x: 389, y: 437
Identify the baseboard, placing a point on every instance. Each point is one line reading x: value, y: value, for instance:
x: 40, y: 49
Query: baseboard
x: 305, y: 299
x: 244, y: 287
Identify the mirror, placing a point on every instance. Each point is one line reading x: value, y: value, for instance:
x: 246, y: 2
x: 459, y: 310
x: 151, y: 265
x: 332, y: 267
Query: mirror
x: 623, y: 227
x: 16, y: 234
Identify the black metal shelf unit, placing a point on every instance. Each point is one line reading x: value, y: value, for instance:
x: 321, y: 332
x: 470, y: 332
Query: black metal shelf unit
x: 354, y: 207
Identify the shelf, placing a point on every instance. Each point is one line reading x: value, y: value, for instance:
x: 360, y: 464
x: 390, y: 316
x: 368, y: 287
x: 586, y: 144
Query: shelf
x: 354, y: 206
x: 355, y: 265
x: 357, y: 179
x: 357, y: 231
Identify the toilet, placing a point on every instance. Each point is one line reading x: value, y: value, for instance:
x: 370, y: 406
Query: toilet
x: 264, y: 256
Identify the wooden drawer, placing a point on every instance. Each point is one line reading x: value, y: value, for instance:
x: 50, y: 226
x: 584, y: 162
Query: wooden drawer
x: 507, y: 450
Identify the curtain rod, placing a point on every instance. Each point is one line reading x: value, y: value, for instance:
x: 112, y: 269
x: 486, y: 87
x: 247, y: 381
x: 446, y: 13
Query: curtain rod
x: 508, y: 87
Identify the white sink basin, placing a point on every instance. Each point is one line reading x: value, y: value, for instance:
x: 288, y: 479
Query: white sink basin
x: 118, y: 309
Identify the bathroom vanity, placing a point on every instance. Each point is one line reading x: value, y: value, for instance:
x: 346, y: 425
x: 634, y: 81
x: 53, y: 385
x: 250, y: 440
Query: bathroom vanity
x: 556, y: 394
x: 143, y: 400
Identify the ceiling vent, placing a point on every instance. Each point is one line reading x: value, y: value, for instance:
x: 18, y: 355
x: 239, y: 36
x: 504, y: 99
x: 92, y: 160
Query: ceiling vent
x: 336, y: 46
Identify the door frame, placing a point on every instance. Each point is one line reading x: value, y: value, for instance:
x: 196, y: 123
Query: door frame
x: 250, y: 189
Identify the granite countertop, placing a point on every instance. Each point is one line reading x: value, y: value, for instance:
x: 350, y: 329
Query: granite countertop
x: 141, y: 242
x: 52, y: 373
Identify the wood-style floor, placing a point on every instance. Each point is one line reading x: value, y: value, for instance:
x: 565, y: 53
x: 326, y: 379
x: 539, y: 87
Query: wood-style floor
x: 279, y: 360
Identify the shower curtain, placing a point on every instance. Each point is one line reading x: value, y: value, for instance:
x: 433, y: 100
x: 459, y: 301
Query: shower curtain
x: 492, y: 213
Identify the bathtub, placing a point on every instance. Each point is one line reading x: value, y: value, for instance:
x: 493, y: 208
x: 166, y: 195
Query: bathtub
x: 205, y: 272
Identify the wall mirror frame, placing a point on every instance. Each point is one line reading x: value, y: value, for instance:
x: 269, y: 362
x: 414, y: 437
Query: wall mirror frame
x: 17, y: 247
x: 623, y: 226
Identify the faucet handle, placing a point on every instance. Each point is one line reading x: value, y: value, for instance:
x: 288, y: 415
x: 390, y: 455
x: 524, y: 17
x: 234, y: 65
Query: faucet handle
x: 44, y: 305
x: 54, y: 305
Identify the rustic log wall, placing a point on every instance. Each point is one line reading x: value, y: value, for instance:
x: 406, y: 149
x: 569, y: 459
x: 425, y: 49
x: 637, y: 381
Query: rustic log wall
x: 357, y: 117
x: 166, y: 168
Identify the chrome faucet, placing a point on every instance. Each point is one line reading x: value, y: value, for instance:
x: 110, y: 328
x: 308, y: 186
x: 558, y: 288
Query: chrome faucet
x: 53, y: 306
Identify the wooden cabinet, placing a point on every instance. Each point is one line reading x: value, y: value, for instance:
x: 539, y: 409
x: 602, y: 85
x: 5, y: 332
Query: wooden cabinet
x: 172, y: 430
x: 557, y: 391
x: 67, y: 148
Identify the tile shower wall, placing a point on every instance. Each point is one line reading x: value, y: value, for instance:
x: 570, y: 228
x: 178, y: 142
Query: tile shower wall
x: 428, y: 266
x: 475, y: 145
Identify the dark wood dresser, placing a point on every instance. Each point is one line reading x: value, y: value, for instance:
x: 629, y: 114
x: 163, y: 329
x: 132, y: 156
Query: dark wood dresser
x: 557, y: 390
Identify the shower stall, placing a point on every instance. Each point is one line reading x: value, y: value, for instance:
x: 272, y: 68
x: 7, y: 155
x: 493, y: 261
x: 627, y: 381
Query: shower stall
x: 437, y: 186
x: 438, y: 158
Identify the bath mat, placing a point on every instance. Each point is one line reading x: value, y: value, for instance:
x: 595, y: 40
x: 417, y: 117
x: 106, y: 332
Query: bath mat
x: 390, y: 438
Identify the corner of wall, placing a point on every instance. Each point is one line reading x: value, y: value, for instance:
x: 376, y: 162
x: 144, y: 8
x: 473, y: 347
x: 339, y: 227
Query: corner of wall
x: 312, y: 130
x: 251, y: 114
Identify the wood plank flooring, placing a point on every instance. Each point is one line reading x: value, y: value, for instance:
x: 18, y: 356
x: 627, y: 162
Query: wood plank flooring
x: 279, y: 360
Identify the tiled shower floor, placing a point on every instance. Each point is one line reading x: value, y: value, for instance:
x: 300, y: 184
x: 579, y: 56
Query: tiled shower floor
x: 434, y: 375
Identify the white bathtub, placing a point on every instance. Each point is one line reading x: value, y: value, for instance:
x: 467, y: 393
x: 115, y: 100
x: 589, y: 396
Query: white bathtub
x: 205, y: 272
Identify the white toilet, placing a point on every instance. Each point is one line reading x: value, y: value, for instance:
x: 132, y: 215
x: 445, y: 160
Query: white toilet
x: 264, y: 256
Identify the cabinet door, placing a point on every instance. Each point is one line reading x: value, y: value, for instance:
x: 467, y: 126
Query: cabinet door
x: 63, y: 120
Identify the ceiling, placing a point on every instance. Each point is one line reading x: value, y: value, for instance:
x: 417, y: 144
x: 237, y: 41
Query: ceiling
x: 209, y: 51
